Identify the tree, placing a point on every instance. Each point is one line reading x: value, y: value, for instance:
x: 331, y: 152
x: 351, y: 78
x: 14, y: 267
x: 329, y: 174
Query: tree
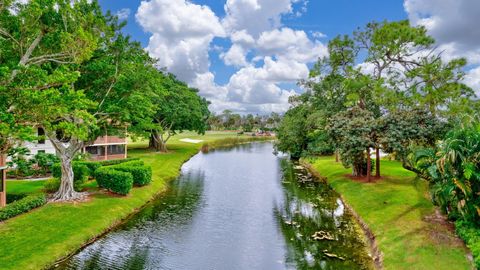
x: 353, y: 131
x: 103, y: 95
x: 35, y: 40
x: 292, y: 137
x: 400, y: 70
x: 178, y: 108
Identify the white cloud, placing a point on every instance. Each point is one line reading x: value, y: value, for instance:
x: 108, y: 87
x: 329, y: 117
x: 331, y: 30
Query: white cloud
x: 255, y: 16
x: 181, y: 35
x: 123, y: 13
x: 265, y: 54
x: 290, y: 44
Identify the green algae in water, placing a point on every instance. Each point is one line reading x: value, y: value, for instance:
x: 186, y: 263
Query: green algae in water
x: 319, y: 230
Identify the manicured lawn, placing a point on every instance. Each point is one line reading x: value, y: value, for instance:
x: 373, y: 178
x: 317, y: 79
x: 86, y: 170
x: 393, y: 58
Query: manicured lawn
x: 37, y: 239
x: 23, y: 186
x: 397, y: 209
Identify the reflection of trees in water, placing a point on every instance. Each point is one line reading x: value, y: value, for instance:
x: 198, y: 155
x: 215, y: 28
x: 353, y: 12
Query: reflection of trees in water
x: 312, y: 207
x: 129, y: 246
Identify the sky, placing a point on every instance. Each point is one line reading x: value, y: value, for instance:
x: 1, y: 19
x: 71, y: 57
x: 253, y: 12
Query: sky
x: 248, y: 55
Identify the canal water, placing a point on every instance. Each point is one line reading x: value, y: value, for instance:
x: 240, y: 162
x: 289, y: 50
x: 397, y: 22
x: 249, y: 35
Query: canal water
x: 235, y: 208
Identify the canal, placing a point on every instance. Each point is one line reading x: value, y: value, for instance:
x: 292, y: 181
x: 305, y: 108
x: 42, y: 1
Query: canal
x: 235, y: 208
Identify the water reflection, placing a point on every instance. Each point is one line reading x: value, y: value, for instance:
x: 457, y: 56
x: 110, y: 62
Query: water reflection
x: 236, y: 208
x: 319, y: 232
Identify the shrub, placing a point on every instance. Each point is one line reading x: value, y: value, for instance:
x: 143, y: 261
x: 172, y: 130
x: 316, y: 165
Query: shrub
x: 44, y: 162
x: 116, y: 181
x: 80, y: 172
x: 21, y: 206
x: 52, y: 185
x: 471, y: 235
x: 91, y: 165
x: 142, y: 175
x: 11, y: 197
x: 116, y: 161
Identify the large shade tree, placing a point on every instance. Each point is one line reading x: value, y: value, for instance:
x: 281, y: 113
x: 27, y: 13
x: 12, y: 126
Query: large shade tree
x: 36, y: 39
x: 178, y: 107
x: 96, y: 91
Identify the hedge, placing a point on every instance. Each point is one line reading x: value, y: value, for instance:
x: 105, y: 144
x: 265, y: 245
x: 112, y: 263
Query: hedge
x: 80, y: 172
x: 116, y: 161
x: 116, y: 181
x: 21, y: 206
x: 142, y: 175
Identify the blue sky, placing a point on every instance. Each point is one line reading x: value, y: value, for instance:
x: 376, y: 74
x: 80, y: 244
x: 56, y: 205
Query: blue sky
x: 247, y: 55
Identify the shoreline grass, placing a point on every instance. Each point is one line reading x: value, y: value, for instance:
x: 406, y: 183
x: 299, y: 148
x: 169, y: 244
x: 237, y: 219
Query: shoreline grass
x: 38, y: 239
x: 398, y: 211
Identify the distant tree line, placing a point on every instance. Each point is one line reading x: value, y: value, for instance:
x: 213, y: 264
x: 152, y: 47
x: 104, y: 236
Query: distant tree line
x: 228, y: 120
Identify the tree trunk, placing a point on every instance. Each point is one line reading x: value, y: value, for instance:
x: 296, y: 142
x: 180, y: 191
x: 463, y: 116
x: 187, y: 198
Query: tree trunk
x: 337, y: 159
x: 66, y: 153
x: 157, y: 142
x: 66, y: 192
x: 377, y: 162
x: 369, y: 165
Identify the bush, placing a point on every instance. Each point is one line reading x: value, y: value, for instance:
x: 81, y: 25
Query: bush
x: 11, y: 197
x: 116, y: 181
x: 116, y: 161
x: 52, y: 185
x: 91, y: 165
x: 21, y: 206
x: 44, y: 162
x: 142, y: 175
x: 471, y: 235
x: 80, y: 172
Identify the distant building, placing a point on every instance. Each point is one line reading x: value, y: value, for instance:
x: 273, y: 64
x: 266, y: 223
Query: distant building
x: 40, y: 146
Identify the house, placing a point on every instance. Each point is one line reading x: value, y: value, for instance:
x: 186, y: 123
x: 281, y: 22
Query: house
x: 107, y: 147
x: 41, y: 145
x: 3, y: 176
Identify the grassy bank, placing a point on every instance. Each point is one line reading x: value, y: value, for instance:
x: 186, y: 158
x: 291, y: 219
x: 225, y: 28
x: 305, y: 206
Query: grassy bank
x: 398, y: 211
x: 37, y: 239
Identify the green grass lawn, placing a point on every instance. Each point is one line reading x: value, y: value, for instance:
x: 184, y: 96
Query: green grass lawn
x: 37, y: 239
x: 398, y: 211
x: 24, y: 186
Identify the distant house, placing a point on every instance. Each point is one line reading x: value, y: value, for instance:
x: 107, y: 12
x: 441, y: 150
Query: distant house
x: 107, y: 147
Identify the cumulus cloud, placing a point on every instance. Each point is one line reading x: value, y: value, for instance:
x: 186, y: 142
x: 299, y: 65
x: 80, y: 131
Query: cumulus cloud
x: 181, y: 35
x: 264, y: 54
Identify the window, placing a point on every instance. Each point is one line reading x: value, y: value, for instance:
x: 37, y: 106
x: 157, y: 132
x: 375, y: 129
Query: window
x: 41, y: 136
x: 95, y: 150
x: 116, y: 149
